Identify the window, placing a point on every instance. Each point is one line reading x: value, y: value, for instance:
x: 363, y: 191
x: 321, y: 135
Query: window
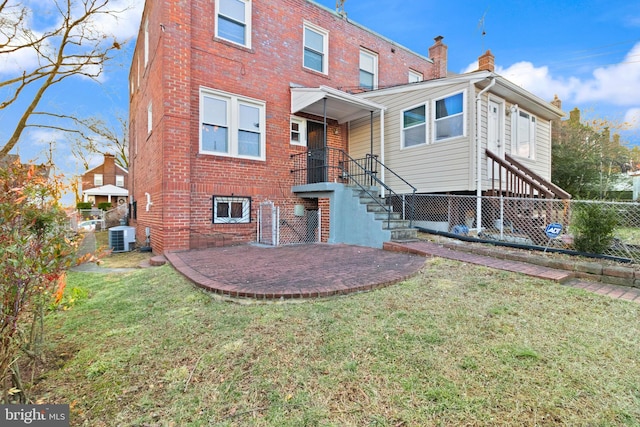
x: 149, y: 118
x: 233, y: 21
x: 368, y: 70
x: 231, y: 125
x: 298, y: 131
x: 524, y: 130
x: 449, y: 117
x: 97, y: 180
x: 120, y: 180
x: 415, y: 76
x: 231, y: 210
x: 414, y: 126
x: 316, y: 44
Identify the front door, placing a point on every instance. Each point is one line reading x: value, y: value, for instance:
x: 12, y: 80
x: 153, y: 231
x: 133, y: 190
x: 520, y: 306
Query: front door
x: 494, y: 137
x: 316, y: 155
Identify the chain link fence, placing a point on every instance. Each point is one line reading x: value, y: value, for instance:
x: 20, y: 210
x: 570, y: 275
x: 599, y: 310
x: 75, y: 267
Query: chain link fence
x: 612, y: 228
x: 287, y: 227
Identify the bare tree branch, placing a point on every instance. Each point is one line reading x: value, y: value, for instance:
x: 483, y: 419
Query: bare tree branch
x: 75, y: 48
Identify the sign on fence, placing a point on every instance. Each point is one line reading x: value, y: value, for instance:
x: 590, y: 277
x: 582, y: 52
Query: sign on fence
x: 553, y: 230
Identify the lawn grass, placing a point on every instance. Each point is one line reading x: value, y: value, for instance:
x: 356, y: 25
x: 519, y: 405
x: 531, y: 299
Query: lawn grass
x: 455, y: 345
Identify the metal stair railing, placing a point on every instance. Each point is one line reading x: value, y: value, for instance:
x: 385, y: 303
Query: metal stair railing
x: 339, y: 166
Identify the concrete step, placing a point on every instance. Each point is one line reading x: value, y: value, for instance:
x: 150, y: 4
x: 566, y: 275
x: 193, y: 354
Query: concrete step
x: 394, y: 224
x: 404, y: 234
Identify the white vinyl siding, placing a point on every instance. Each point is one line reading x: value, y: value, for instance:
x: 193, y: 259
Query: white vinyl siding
x: 430, y: 167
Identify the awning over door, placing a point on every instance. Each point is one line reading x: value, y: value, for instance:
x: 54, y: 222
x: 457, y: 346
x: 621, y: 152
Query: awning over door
x: 339, y: 105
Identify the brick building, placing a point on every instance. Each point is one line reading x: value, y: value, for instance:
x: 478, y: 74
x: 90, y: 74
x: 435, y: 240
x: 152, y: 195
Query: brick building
x: 226, y: 94
x: 106, y: 183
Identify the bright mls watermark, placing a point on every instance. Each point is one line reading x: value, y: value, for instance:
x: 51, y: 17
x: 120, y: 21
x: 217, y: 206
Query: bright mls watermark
x: 34, y: 415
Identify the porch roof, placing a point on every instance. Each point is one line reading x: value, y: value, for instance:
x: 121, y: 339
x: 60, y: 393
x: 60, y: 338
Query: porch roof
x: 340, y: 105
x: 106, y: 190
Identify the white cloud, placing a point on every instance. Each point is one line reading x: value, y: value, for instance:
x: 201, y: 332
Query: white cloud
x: 539, y: 81
x: 617, y: 84
x: 632, y: 118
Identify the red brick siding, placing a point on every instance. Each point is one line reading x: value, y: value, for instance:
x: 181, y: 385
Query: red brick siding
x: 187, y: 56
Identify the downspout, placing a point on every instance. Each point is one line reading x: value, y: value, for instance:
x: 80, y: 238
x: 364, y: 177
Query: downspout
x: 382, y: 150
x: 479, y: 154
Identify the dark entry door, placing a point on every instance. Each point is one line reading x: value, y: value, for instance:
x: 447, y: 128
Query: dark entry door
x: 316, y: 156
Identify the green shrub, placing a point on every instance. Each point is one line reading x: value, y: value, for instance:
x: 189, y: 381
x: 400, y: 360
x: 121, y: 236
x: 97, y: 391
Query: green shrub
x: 593, y: 225
x: 105, y: 206
x: 83, y: 205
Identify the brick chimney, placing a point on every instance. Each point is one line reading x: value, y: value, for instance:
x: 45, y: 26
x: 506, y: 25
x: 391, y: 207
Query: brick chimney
x: 556, y: 102
x: 438, y: 53
x: 486, y: 62
x: 574, y: 116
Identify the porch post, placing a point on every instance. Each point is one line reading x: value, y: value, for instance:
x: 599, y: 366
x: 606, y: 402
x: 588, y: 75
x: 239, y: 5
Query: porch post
x: 371, y: 134
x: 325, y: 152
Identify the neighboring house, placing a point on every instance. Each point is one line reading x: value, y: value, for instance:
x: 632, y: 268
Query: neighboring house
x: 106, y: 183
x: 228, y: 97
x: 437, y: 132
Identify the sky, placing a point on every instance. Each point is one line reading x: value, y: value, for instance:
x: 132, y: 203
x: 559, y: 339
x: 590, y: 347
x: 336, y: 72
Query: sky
x: 586, y: 52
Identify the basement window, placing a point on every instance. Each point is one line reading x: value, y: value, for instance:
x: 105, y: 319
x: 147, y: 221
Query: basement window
x: 231, y: 210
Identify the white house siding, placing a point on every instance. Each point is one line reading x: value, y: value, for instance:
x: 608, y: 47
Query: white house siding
x: 449, y: 165
x: 360, y: 137
x: 435, y: 167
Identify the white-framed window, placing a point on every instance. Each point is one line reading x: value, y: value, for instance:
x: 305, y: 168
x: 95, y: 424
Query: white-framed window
x: 415, y: 76
x: 231, y: 210
x: 149, y: 118
x: 233, y: 21
x: 449, y: 117
x: 316, y: 48
x: 368, y: 69
x: 146, y: 42
x: 523, y: 129
x: 231, y: 125
x: 414, y: 126
x: 298, y: 131
x: 97, y: 180
x: 119, y: 180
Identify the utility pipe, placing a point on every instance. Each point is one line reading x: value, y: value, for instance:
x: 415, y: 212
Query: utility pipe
x: 479, y: 154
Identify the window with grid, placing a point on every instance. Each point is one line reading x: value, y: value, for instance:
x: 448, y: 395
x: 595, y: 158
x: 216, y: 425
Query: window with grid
x: 231, y: 210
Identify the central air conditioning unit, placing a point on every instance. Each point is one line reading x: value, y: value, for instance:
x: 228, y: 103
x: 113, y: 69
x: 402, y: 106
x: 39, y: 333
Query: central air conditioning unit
x: 122, y: 238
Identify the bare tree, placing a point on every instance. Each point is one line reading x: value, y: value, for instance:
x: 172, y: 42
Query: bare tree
x: 76, y: 46
x: 96, y: 136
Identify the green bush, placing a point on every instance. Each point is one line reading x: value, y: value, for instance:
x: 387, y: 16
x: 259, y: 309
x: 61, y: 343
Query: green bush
x: 105, y: 206
x: 593, y: 225
x: 83, y: 205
